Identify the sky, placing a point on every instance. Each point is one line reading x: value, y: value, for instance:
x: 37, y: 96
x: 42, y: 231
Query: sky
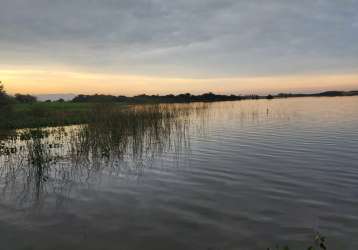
x: 159, y: 47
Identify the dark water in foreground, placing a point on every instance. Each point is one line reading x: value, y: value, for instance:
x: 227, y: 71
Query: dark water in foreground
x: 233, y: 175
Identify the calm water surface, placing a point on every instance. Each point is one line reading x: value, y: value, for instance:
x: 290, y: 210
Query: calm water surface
x: 232, y: 175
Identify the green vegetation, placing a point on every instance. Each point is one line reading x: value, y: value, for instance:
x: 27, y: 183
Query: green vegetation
x: 24, y: 111
x: 42, y: 114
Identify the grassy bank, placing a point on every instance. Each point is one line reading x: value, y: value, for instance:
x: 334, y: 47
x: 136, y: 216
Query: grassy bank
x: 43, y: 114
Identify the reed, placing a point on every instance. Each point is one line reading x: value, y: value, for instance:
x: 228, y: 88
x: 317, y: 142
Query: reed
x: 36, y: 162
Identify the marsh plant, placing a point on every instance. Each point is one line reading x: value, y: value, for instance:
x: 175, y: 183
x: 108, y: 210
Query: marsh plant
x: 319, y: 244
x: 123, y: 142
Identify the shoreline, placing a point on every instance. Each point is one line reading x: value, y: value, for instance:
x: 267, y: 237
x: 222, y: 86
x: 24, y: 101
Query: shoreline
x: 55, y: 114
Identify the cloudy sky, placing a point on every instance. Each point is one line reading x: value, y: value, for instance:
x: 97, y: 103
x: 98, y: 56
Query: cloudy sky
x: 161, y: 46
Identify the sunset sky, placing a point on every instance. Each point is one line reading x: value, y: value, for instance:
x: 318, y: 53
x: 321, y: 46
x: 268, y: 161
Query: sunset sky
x: 160, y: 46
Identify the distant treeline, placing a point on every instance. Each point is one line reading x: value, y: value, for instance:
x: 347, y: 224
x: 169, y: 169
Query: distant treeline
x: 207, y: 97
x: 6, y: 99
x: 210, y: 97
x: 326, y: 93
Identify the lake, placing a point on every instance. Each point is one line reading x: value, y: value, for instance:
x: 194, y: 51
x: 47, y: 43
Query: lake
x: 220, y: 176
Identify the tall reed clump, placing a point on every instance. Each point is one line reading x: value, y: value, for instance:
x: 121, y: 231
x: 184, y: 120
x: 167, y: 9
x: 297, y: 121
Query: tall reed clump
x: 39, y: 159
x: 24, y: 166
x: 138, y: 131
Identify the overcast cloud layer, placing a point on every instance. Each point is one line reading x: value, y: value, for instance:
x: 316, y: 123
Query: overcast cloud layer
x: 186, y: 38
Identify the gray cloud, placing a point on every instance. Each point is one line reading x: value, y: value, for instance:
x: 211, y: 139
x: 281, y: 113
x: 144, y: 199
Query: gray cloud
x: 183, y: 37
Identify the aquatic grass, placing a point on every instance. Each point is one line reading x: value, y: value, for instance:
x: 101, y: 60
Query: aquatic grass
x: 319, y: 244
x: 114, y: 141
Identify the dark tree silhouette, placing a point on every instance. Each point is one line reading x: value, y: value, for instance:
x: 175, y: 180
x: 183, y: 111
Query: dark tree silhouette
x: 25, y: 98
x: 4, y: 98
x: 5, y: 103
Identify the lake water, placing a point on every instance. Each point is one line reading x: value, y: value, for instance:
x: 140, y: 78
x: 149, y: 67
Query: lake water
x: 226, y: 175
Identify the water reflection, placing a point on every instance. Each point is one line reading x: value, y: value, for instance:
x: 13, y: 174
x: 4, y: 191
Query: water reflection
x: 235, y: 175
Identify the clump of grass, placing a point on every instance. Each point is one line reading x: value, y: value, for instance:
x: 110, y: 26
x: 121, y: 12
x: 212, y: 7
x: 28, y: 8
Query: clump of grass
x: 319, y: 240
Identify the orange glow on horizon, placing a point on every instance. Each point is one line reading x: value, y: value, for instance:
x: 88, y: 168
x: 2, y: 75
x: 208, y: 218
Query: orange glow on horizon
x: 35, y: 81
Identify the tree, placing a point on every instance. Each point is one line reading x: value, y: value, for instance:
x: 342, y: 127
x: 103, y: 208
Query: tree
x: 5, y: 102
x: 25, y: 98
x: 4, y: 98
x: 2, y: 92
